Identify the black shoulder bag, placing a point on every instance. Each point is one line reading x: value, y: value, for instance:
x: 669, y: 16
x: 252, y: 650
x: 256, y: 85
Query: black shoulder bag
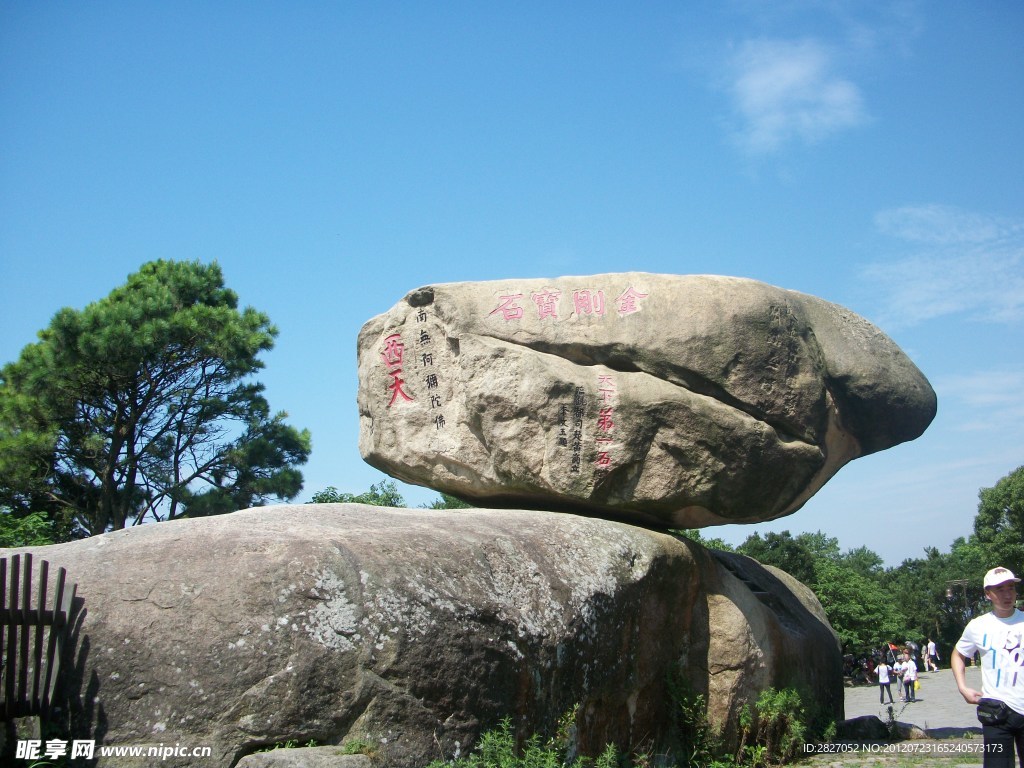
x: 992, y: 711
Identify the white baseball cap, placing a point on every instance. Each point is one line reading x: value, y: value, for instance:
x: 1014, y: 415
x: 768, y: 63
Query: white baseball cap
x: 999, y: 576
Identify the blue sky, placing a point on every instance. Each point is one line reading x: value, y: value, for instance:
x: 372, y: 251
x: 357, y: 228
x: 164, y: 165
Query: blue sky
x: 332, y: 156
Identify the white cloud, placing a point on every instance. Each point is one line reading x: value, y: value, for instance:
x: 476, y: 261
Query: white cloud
x: 786, y: 90
x: 986, y: 388
x: 945, y: 225
x: 991, y: 399
x: 971, y: 264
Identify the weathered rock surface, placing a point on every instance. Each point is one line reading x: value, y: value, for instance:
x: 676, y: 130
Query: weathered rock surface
x: 867, y: 728
x: 305, y: 757
x: 672, y: 401
x: 416, y: 629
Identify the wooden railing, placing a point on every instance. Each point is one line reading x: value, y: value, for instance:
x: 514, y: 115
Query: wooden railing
x: 33, y: 624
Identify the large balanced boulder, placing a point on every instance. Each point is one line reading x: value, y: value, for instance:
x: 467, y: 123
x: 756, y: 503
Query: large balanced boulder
x: 414, y: 630
x: 671, y: 401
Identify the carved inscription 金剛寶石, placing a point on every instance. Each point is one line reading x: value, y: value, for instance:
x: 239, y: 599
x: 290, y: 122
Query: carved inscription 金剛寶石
x: 547, y: 304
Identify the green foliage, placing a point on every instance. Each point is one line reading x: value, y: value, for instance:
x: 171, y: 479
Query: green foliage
x: 774, y: 731
x: 999, y: 525
x: 865, y: 562
x: 942, y: 591
x: 694, y: 534
x: 497, y: 749
x: 783, y: 551
x: 290, y: 744
x: 359, y: 747
x: 447, y: 501
x: 892, y: 725
x: 771, y: 734
x: 32, y: 530
x: 850, y: 586
x: 609, y: 758
x: 921, y: 583
x: 860, y: 608
x: 382, y: 494
x: 860, y: 596
x: 697, y: 745
x: 869, y: 605
x: 141, y: 407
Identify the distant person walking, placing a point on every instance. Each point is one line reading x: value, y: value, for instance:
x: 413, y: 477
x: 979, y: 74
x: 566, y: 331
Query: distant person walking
x: 933, y: 656
x: 999, y: 637
x: 909, y: 677
x: 883, y: 671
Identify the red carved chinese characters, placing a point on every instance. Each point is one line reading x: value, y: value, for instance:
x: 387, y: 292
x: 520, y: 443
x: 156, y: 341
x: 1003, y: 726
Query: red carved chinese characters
x: 627, y: 302
x: 605, y: 421
x: 585, y: 301
x: 547, y: 303
x: 394, y: 350
x: 392, y: 355
x: 508, y: 307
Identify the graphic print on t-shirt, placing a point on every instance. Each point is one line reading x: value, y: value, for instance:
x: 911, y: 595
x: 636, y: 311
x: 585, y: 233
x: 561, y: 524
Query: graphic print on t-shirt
x: 1007, y: 661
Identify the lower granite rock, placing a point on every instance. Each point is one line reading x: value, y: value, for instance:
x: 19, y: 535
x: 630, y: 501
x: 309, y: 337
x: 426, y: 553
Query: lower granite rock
x: 415, y: 630
x: 304, y: 757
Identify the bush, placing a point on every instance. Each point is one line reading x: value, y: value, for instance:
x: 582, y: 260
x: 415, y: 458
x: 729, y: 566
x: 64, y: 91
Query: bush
x: 33, y: 530
x: 771, y: 733
x: 775, y: 729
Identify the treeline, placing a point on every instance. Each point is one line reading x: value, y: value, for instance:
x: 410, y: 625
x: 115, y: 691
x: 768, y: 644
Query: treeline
x: 932, y: 596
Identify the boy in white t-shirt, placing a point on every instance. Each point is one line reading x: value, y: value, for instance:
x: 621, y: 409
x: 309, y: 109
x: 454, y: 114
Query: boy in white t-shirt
x: 999, y: 637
